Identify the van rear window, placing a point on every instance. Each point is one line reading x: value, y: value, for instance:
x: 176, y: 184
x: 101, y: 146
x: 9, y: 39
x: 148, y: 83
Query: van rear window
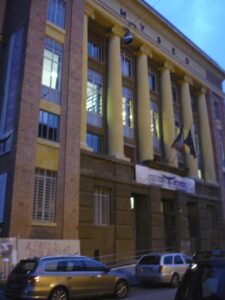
x: 150, y: 260
x: 25, y: 266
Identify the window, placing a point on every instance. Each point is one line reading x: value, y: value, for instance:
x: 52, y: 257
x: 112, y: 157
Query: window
x: 178, y: 260
x: 101, y: 206
x: 48, y: 126
x: 51, y: 72
x: 92, y: 265
x: 56, y: 12
x: 94, y: 50
x: 217, y: 111
x: 155, y: 126
x: 174, y: 94
x: 221, y: 146
x: 11, y: 83
x: 152, y: 81
x: 3, y: 182
x: 168, y: 260
x: 126, y: 65
x: 95, y: 142
x: 44, y: 196
x: 94, y: 92
x: 127, y: 108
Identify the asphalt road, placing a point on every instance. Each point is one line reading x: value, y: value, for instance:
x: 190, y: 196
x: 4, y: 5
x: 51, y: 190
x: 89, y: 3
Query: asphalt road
x: 138, y: 293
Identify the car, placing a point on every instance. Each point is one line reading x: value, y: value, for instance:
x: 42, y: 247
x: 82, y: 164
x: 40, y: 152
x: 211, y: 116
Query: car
x: 203, y: 280
x: 64, y: 278
x: 162, y: 268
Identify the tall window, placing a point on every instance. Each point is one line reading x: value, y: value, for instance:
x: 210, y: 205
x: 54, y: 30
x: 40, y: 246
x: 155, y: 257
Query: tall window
x: 94, y: 92
x: 48, y: 126
x: 155, y: 126
x: 128, y: 120
x: 217, y: 111
x: 221, y: 146
x: 174, y: 94
x: 51, y: 72
x: 152, y: 81
x: 95, y: 50
x: 126, y: 65
x: 44, y: 196
x: 101, y: 206
x: 94, y: 141
x: 56, y: 12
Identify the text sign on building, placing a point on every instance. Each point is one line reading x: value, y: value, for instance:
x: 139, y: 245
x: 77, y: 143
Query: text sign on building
x: 164, y: 180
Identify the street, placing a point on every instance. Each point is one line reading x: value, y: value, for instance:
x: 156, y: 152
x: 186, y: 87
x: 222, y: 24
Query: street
x: 139, y: 293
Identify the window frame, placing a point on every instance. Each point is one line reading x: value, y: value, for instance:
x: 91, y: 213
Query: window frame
x: 56, y: 8
x: 101, y: 206
x: 44, y: 130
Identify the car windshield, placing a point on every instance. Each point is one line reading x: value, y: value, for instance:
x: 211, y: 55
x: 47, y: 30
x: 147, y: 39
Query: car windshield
x: 25, y: 267
x: 206, y: 281
x: 150, y: 260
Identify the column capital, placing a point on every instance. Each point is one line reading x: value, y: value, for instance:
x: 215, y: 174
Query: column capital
x: 115, y: 30
x: 186, y: 79
x: 167, y: 66
x: 143, y: 50
x: 202, y: 91
x: 89, y: 11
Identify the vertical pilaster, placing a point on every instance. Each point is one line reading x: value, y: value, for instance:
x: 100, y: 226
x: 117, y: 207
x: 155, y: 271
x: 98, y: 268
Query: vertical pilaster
x: 114, y: 96
x: 87, y: 13
x: 206, y: 141
x: 143, y: 107
x: 168, y: 115
x: 192, y: 163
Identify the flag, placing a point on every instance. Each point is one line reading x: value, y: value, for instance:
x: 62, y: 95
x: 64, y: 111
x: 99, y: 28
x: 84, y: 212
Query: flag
x: 178, y: 143
x: 190, y: 143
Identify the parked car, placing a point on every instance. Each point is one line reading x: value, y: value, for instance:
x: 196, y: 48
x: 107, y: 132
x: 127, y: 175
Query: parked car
x: 64, y: 278
x: 203, y: 280
x: 162, y: 268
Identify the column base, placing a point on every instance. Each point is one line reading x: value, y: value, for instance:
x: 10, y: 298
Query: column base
x: 120, y: 156
x: 84, y: 146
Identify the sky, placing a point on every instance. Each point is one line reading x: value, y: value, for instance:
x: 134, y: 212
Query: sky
x: 202, y: 21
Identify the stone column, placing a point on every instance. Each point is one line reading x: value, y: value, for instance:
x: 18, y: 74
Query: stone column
x: 192, y: 163
x: 143, y: 107
x: 87, y: 12
x: 206, y: 141
x: 168, y: 115
x: 114, y: 96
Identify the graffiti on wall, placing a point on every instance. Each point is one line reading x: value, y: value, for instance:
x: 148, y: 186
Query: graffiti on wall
x: 6, y: 247
x: 36, y: 248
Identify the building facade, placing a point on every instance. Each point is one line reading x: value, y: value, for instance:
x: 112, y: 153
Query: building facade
x: 112, y: 129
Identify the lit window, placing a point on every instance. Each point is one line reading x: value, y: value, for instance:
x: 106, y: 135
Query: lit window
x: 127, y: 108
x: 94, y: 92
x: 155, y: 126
x: 56, y: 12
x: 95, y: 142
x: 101, y: 206
x: 126, y: 65
x: 51, y: 73
x: 221, y: 146
x: 94, y: 50
x: 48, y: 126
x: 152, y: 81
x: 44, y: 196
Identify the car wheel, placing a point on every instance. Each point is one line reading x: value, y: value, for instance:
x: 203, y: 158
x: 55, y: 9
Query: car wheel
x: 59, y: 293
x: 121, y: 289
x: 175, y: 280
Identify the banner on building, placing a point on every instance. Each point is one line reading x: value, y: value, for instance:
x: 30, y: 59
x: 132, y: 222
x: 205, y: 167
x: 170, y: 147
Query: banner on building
x: 164, y: 180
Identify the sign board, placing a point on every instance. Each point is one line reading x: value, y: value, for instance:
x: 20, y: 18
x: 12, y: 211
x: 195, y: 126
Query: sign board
x: 164, y: 180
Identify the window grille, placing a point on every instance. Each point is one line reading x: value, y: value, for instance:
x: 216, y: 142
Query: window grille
x: 44, y: 196
x: 48, y: 126
x: 56, y: 12
x: 51, y: 71
x: 101, y: 206
x: 128, y: 108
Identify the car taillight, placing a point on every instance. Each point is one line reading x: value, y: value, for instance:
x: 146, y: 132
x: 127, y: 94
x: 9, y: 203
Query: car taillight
x: 160, y: 268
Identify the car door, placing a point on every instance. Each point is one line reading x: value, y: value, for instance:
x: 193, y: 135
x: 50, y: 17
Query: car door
x: 179, y: 265
x: 100, y: 280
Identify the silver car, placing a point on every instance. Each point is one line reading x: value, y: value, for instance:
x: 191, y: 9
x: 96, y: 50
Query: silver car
x: 162, y: 268
x: 64, y: 278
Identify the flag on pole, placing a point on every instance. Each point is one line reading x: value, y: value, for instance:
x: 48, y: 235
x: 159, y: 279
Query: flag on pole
x: 178, y: 143
x: 190, y: 143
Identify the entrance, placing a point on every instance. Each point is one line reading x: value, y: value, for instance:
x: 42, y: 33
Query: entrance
x: 141, y: 221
